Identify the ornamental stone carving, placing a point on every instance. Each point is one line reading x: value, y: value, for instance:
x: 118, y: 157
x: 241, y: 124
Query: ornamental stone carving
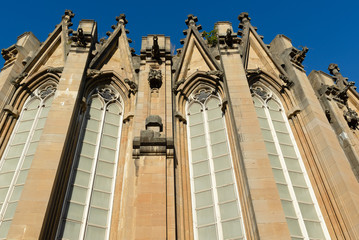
x: 155, y: 79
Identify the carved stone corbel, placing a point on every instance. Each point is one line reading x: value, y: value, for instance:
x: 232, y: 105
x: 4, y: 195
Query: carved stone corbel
x: 218, y: 73
x: 288, y: 83
x: 10, y: 110
x: 55, y: 69
x: 94, y: 73
x: 180, y: 117
x: 176, y: 86
x: 18, y: 79
x: 155, y: 79
x: 133, y: 86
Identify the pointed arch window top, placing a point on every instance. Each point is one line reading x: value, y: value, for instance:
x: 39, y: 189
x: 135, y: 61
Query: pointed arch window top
x: 203, y: 94
x: 47, y: 90
x: 107, y: 93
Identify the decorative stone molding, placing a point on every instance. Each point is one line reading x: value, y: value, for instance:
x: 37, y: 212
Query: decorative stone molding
x: 55, y: 69
x: 288, y: 83
x: 155, y: 79
x: 176, y: 86
x: 352, y: 118
x: 9, y: 54
x: 180, y: 117
x: 94, y: 73
x: 297, y: 56
x: 18, y: 79
x: 10, y: 109
x: 133, y: 86
x: 218, y: 73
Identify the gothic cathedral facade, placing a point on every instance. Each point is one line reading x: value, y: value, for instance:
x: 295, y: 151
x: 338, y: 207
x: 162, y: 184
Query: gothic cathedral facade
x: 226, y: 139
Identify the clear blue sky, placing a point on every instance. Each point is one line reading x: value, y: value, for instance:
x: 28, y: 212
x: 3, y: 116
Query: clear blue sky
x: 329, y: 28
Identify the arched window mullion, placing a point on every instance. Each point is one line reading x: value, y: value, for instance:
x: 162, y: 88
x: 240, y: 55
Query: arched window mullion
x: 286, y: 176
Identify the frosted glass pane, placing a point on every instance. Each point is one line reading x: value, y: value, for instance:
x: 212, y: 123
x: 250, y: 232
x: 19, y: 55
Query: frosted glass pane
x: 223, y: 162
x: 280, y: 126
x: 108, y: 155
x: 105, y: 168
x: 199, y: 154
x: 278, y: 176
x: 214, y: 125
x: 79, y: 194
x: 214, y: 113
x: 229, y: 210
x: 10, y: 210
x: 219, y: 149
x: 308, y: 211
x: 45, y: 111
x: 292, y: 164
x: 88, y: 149
x: 41, y: 123
x: 202, y: 183
x: 98, y: 216
x: 5, y: 179
x: 9, y: 165
x: 114, y: 108
x: 205, y: 216
x: 288, y: 150
x: 27, y: 162
x: 4, y: 228
x: 195, y: 108
x: 270, y: 146
x: 199, y: 141
x: 226, y: 193
x: 111, y: 130
x: 288, y: 209
x: 260, y: 112
x: 25, y: 126
x: 32, y: 148
x: 95, y: 233
x: 294, y: 228
x: 82, y: 178
x: 218, y: 136
x: 213, y: 103
x: 85, y: 163
x: 267, y: 135
x: 302, y: 194
x: 90, y: 137
x: 93, y: 125
x: 314, y: 229
x: 276, y: 115
x: 200, y: 169
x: 283, y: 138
x: 207, y: 233
x: 232, y: 229
x: 110, y: 142
x: 15, y: 196
x: 274, y: 161
x: 37, y: 135
x: 283, y: 191
x: 96, y: 103
x: 72, y: 230
x: 263, y: 123
x: 195, y: 119
x: 20, y: 138
x: 113, y: 118
x: 204, y: 199
x: 3, y: 192
x: 75, y: 211
x: 197, y: 130
x: 15, y: 151
x: 273, y: 105
x: 29, y: 114
x: 100, y: 199
x: 224, y: 177
x: 95, y: 113
x: 297, y: 179
x: 103, y: 183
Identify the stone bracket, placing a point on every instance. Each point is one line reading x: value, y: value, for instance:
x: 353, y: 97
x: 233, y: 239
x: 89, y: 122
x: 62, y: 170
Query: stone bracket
x: 11, y: 111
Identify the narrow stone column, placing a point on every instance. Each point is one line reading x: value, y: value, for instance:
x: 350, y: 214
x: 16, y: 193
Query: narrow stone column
x: 32, y: 207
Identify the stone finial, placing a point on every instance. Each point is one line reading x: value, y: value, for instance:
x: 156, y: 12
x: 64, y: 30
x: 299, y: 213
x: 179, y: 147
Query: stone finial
x: 68, y: 15
x: 191, y: 20
x: 244, y: 17
x: 333, y: 69
x: 122, y: 19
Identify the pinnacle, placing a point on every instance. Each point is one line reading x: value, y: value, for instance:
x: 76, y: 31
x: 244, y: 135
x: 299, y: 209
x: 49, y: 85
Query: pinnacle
x: 244, y: 17
x: 333, y: 68
x: 191, y: 20
x: 122, y: 18
x: 68, y: 14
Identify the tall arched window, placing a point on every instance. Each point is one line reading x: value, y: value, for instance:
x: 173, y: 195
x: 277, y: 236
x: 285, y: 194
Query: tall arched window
x: 18, y: 155
x: 88, y: 203
x: 215, y: 200
x: 300, y: 206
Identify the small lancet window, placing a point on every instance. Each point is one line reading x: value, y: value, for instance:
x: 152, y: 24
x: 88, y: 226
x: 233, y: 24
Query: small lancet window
x: 19, y: 153
x: 87, y: 208
x: 215, y: 201
x: 304, y: 218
